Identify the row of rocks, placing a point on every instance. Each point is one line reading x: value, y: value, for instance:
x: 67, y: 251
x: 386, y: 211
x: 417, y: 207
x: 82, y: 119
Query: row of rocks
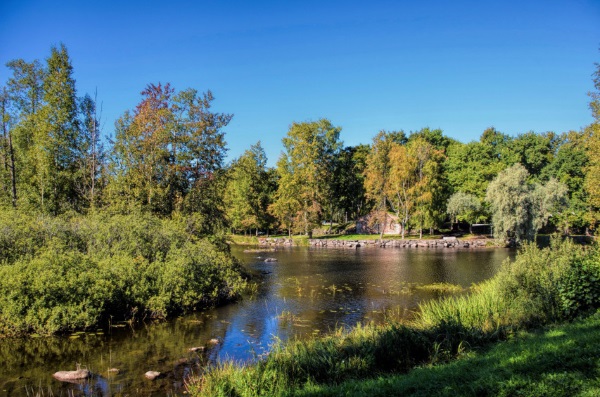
x: 275, y: 241
x: 446, y: 242
x: 82, y: 374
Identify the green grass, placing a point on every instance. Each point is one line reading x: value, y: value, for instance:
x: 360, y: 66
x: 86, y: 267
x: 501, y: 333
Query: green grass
x: 560, y: 361
x: 242, y: 240
x: 441, y: 287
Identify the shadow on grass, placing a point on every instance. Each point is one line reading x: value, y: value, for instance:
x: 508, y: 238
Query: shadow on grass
x: 562, y: 361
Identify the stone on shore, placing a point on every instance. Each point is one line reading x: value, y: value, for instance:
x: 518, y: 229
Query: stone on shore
x: 152, y: 375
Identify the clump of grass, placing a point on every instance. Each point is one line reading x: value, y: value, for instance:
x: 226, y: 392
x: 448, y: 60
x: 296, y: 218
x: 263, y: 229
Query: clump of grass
x: 441, y: 288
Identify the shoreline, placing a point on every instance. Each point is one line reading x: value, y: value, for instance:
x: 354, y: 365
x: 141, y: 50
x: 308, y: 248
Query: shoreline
x: 444, y: 242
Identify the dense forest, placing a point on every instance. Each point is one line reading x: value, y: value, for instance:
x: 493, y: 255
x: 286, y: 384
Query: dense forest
x: 167, y: 157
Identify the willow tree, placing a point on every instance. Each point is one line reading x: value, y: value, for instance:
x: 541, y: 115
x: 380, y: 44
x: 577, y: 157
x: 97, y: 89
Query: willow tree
x: 306, y: 172
x: 521, y: 208
x: 464, y: 207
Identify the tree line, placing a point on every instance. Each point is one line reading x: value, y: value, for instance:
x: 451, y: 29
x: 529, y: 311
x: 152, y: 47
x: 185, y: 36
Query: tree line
x: 168, y: 153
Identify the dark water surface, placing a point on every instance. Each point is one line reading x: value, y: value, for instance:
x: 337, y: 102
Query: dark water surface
x: 308, y: 291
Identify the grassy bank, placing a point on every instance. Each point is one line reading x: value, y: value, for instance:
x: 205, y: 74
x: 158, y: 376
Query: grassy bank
x: 542, y: 286
x: 60, y: 274
x: 559, y: 361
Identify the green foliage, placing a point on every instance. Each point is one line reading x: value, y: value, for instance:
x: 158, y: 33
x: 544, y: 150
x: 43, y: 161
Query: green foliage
x: 249, y: 191
x: 464, y: 207
x: 73, y: 272
x: 168, y: 154
x: 472, y: 166
x: 592, y: 178
x: 306, y: 172
x: 349, y: 201
x: 579, y: 288
x: 533, y: 151
x: 520, y: 209
x: 568, y: 167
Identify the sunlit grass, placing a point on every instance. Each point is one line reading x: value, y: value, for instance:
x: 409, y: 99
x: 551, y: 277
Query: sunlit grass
x: 561, y: 361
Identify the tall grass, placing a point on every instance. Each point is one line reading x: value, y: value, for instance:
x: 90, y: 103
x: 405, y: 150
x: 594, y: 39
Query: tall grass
x: 537, y: 288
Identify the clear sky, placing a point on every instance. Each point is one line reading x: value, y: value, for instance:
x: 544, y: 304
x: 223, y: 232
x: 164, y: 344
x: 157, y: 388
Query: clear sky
x: 461, y: 66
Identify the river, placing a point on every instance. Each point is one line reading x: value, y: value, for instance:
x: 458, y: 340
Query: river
x: 306, y: 291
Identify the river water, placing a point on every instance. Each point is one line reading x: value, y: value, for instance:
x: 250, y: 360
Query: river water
x: 307, y: 291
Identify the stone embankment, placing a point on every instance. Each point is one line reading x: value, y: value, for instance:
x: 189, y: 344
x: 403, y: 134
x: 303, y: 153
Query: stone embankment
x: 276, y: 241
x: 445, y: 242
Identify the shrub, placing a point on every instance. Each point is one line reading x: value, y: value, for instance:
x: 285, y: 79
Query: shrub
x: 74, y: 272
x: 579, y: 288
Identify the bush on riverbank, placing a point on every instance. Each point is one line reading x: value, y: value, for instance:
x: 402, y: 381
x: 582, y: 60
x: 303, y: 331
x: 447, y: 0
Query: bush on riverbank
x: 537, y: 288
x: 75, y: 272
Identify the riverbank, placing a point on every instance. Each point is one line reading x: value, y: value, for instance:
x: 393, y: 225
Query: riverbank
x: 554, y: 362
x: 541, y: 287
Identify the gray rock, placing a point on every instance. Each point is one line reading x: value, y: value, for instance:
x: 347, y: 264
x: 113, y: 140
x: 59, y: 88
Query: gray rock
x: 67, y: 376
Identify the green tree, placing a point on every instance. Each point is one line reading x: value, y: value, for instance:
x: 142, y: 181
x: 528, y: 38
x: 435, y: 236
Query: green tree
x: 24, y: 98
x: 472, y: 166
x: 306, y: 174
x: 429, y: 187
x: 464, y: 207
x: 91, y: 153
x: 533, y: 151
x: 377, y: 175
x: 568, y: 166
x: 348, y: 183
x: 168, y: 154
x: 592, y: 177
x: 7, y: 155
x: 56, y: 138
x: 520, y: 208
x: 247, y: 196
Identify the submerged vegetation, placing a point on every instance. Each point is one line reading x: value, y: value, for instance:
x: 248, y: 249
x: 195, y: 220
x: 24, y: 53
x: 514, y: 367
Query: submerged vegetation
x: 71, y: 272
x: 536, y: 289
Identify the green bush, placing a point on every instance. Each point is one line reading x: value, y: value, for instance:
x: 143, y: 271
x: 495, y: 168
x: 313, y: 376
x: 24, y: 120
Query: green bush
x: 579, y: 288
x: 74, y: 272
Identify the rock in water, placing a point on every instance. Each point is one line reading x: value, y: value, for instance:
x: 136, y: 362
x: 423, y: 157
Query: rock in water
x: 152, y: 375
x: 66, y: 376
x: 271, y: 260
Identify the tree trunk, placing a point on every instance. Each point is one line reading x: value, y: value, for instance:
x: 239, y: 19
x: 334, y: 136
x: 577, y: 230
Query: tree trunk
x: 13, y: 176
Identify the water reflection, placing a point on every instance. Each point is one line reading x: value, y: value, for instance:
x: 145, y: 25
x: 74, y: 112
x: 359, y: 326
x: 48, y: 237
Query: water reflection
x: 306, y: 292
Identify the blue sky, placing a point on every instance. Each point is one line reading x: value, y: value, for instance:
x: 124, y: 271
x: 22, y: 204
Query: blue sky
x: 461, y: 66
